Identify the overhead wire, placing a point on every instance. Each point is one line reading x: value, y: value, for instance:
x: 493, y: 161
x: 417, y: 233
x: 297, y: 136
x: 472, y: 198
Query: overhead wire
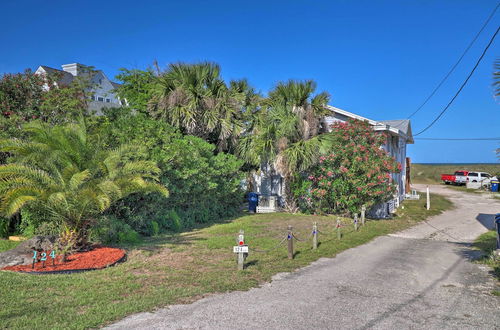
x: 462, y: 86
x: 457, y: 63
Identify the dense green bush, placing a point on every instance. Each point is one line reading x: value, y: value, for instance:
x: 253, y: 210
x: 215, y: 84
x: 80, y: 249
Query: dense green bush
x: 110, y: 229
x: 355, y: 172
x: 204, y: 185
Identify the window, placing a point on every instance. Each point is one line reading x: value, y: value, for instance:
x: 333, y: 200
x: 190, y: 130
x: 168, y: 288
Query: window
x: 485, y: 175
x: 100, y: 99
x: 473, y: 174
x: 108, y: 100
x: 93, y: 98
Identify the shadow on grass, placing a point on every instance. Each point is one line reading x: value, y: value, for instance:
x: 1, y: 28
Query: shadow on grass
x: 186, y: 236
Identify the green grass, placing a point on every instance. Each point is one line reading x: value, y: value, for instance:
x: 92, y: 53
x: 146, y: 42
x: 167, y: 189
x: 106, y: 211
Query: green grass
x: 487, y: 243
x: 7, y: 245
x: 431, y: 174
x: 181, y: 268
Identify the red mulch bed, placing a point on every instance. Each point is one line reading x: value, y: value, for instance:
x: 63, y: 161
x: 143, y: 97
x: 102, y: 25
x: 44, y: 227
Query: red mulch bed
x: 97, y: 258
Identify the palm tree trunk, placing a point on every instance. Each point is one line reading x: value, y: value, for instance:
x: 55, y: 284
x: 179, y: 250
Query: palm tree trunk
x: 288, y: 198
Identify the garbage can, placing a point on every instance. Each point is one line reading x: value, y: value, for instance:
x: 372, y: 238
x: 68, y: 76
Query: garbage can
x: 253, y: 201
x: 494, y: 185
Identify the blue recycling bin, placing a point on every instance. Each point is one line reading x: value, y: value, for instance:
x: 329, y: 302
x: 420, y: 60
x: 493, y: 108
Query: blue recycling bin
x: 494, y: 185
x: 253, y: 201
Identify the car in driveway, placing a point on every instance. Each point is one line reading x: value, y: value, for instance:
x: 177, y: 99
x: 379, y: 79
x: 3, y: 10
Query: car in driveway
x: 482, y: 177
x: 458, y: 178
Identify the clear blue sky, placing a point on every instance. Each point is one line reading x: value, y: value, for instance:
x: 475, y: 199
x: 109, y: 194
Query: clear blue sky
x: 379, y: 59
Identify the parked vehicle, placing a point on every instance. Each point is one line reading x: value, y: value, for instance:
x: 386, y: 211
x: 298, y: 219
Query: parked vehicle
x: 482, y: 177
x: 458, y: 178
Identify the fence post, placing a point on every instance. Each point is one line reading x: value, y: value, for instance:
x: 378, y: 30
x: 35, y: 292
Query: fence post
x: 241, y: 255
x: 290, y: 242
x: 428, y: 199
x: 363, y: 211
x: 339, y: 234
x: 315, y: 235
x: 356, y: 222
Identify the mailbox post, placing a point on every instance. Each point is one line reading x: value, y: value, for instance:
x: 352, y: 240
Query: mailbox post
x: 241, y: 249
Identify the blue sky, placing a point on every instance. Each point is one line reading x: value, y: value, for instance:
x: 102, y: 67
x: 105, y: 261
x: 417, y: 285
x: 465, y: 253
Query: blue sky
x: 379, y: 59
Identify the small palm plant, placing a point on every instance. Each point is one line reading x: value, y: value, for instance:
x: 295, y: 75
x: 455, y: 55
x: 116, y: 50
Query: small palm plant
x: 60, y: 170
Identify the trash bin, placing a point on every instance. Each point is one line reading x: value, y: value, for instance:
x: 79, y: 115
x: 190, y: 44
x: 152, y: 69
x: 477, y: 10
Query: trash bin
x: 494, y: 185
x: 253, y: 201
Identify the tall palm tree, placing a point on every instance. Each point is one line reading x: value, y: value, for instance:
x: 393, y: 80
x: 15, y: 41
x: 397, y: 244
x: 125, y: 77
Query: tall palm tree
x: 61, y: 171
x: 286, y: 133
x: 195, y: 98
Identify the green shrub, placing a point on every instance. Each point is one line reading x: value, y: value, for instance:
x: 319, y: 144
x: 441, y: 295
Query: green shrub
x: 204, y: 185
x: 154, y: 228
x: 110, y: 230
x: 355, y: 172
x: 4, y: 227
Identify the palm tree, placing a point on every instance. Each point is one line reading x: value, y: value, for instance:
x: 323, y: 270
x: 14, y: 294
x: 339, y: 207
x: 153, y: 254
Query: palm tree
x: 286, y: 133
x: 194, y: 98
x: 60, y: 170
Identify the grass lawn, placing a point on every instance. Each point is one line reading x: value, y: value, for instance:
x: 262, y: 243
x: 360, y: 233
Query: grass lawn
x: 487, y: 243
x: 431, y: 174
x: 7, y: 245
x: 184, y: 267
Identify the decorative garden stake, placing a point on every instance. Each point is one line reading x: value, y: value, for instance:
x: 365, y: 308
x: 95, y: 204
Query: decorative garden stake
x: 315, y: 235
x: 290, y: 242
x: 34, y: 259
x: 339, y: 234
x: 356, y: 222
x: 363, y: 211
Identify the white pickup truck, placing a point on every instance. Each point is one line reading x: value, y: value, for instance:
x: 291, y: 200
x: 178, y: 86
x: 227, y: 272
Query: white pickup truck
x: 482, y: 177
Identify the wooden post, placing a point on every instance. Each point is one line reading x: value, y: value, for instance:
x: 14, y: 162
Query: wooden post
x: 339, y: 234
x: 363, y: 211
x: 428, y: 206
x: 290, y: 242
x: 241, y: 255
x: 315, y: 236
x: 356, y: 222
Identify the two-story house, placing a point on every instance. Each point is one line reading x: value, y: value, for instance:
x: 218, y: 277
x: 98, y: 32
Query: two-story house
x: 101, y: 88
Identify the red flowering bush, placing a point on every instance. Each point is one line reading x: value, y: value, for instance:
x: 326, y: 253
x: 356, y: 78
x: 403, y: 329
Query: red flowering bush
x: 356, y: 172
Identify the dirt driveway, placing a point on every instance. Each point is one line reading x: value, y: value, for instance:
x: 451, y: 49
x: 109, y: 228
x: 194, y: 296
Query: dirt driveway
x: 421, y: 278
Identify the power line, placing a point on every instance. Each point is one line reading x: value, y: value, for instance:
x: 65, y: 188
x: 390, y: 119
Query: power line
x: 463, y: 85
x: 460, y: 139
x: 457, y: 63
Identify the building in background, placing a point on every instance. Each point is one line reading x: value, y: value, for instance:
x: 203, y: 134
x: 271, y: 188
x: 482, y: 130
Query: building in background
x: 101, y: 88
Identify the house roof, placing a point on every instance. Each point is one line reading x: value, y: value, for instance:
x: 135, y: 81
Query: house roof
x: 65, y: 77
x: 400, y: 127
x: 115, y: 85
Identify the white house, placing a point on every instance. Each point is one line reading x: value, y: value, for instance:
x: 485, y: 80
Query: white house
x: 399, y: 134
x: 102, y: 88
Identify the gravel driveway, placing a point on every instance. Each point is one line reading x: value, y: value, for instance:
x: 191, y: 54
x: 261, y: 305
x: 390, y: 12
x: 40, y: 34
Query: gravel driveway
x: 420, y: 278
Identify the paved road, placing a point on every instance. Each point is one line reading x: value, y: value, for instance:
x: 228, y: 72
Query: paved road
x: 420, y: 278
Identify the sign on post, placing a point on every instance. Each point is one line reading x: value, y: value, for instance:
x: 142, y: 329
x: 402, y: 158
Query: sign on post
x: 240, y: 249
